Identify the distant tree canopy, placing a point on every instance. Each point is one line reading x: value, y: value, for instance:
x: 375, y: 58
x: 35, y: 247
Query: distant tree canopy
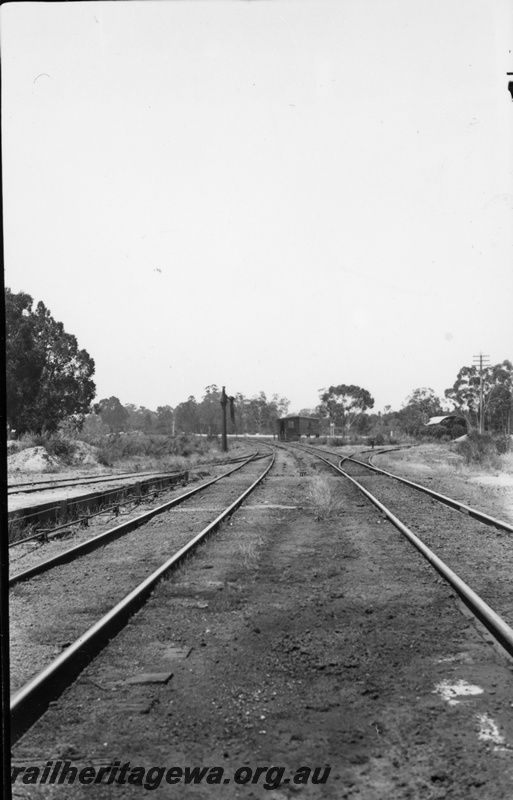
x: 307, y: 412
x: 48, y: 376
x: 343, y: 404
x: 165, y: 420
x: 209, y: 411
x: 257, y: 414
x: 417, y: 410
x: 113, y: 414
x: 252, y: 415
x: 497, y: 395
x: 187, y: 416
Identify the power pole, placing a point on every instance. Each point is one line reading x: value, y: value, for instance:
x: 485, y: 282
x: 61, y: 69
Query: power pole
x: 480, y: 361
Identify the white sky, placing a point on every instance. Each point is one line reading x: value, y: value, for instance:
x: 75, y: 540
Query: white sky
x: 266, y: 195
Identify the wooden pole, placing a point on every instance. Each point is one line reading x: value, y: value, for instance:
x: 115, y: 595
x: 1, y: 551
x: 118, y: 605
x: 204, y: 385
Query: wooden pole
x: 224, y: 437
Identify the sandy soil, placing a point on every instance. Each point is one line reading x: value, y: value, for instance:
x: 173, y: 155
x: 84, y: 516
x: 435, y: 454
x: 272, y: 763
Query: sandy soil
x: 37, y: 459
x: 445, y: 472
x: 297, y: 641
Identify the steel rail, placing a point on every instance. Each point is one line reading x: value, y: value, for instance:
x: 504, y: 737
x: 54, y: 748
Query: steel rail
x: 117, y: 493
x: 30, y: 702
x: 449, y: 501
x: 41, y: 486
x: 480, y: 516
x: 114, y: 533
x: 146, y: 486
x: 494, y: 623
x: 45, y: 534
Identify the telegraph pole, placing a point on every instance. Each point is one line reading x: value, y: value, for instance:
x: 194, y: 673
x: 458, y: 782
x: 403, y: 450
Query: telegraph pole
x: 480, y: 361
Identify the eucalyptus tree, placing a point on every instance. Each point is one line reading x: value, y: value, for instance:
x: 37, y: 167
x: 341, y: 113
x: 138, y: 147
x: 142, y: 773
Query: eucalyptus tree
x: 497, y: 393
x: 49, y: 378
x: 344, y: 403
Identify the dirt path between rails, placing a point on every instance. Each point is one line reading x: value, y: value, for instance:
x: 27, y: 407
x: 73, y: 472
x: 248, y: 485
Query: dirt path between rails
x: 294, y: 642
x: 49, y: 611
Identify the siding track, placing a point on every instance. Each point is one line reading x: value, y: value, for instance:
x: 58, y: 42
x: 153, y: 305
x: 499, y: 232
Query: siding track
x: 493, y: 621
x: 28, y: 487
x: 114, y: 533
x: 32, y: 699
x: 486, y: 519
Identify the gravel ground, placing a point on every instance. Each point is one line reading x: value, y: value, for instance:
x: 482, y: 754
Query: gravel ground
x: 47, y: 613
x: 297, y: 641
x: 28, y: 554
x: 25, y: 500
x: 478, y: 553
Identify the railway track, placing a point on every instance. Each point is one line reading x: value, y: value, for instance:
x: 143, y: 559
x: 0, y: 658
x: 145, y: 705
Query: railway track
x: 110, y: 535
x: 405, y: 501
x: 328, y: 631
x: 31, y: 699
x: 29, y: 487
x: 59, y: 512
x: 56, y: 517
x: 457, y: 505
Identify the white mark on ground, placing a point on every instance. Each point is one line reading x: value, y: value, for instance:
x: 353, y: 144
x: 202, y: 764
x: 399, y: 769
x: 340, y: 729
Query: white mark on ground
x: 449, y: 691
x: 489, y: 730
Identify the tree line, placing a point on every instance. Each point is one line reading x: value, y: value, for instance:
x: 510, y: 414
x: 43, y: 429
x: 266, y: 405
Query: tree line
x: 50, y: 381
x: 252, y: 415
x: 346, y: 406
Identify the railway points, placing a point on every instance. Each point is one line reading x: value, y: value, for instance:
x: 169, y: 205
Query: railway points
x: 306, y: 637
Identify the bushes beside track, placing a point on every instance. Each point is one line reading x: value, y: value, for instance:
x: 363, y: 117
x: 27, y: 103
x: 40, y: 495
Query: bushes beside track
x: 484, y: 449
x: 127, y: 450
x: 56, y: 444
x: 119, y: 448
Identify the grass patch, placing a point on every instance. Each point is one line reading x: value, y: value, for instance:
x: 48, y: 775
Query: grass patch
x: 460, y: 459
x: 18, y: 529
x: 323, y: 496
x: 250, y: 552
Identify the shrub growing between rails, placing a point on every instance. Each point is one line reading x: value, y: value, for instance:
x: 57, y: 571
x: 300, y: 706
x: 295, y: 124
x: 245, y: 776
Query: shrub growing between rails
x: 322, y: 496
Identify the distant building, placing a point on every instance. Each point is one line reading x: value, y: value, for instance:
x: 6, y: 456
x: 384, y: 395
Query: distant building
x: 291, y: 429
x: 439, y: 420
x: 453, y: 424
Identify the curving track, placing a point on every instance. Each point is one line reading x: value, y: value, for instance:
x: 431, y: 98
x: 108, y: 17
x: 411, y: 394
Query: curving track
x: 441, y: 498
x: 415, y: 505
